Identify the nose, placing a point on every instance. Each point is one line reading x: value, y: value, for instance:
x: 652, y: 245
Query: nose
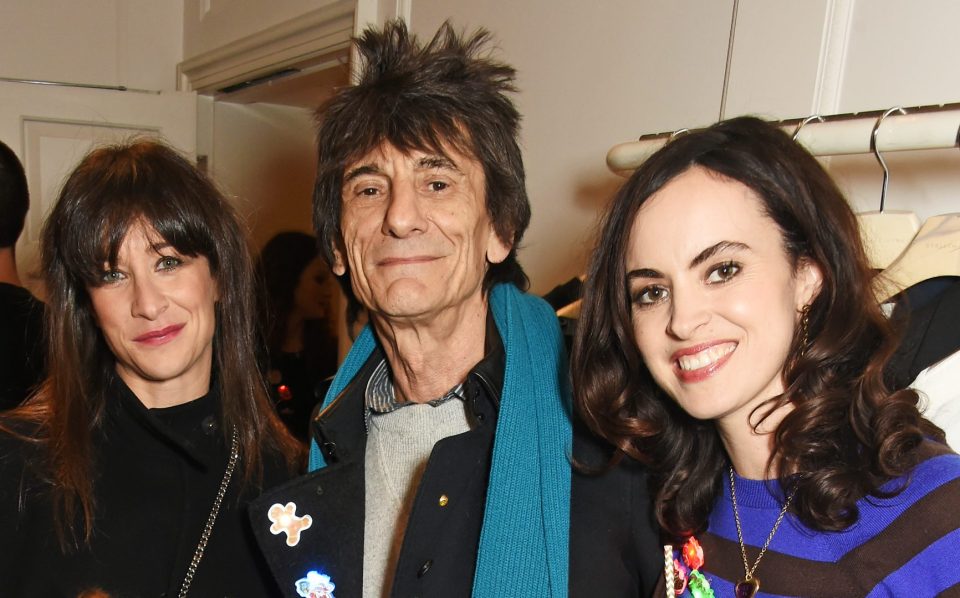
x: 689, y: 310
x: 404, y: 215
x: 149, y: 301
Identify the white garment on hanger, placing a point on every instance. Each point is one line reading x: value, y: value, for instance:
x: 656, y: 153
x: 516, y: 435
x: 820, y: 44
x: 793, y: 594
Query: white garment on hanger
x: 886, y: 234
x: 939, y: 388
x: 935, y: 251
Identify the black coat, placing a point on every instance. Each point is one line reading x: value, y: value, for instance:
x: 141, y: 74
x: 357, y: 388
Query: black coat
x: 157, y: 473
x: 22, y: 344
x: 931, y: 329
x: 613, y: 543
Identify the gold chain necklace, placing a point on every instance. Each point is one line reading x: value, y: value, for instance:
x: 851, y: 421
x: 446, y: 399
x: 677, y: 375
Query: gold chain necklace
x: 212, y: 517
x: 750, y: 585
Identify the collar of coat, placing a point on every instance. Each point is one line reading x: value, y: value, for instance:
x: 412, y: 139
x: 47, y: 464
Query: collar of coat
x: 525, y: 537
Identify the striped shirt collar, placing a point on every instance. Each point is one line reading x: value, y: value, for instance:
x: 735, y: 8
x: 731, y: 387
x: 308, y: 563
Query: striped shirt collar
x: 380, y: 396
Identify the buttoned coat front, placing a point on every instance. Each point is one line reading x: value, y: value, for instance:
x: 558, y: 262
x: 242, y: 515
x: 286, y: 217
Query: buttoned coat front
x: 613, y: 544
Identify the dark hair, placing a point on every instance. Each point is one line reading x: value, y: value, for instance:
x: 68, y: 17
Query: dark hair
x: 447, y: 93
x: 14, y: 197
x: 281, y: 263
x: 847, y: 433
x: 113, y: 189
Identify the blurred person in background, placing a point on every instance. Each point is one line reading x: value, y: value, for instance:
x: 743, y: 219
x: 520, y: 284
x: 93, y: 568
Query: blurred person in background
x: 300, y: 301
x: 21, y: 314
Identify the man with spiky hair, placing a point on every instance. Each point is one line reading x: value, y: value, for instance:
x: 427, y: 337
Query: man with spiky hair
x: 21, y: 314
x: 441, y: 453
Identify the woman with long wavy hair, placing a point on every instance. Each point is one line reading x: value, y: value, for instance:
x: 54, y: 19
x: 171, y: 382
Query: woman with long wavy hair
x: 127, y: 473
x: 729, y: 339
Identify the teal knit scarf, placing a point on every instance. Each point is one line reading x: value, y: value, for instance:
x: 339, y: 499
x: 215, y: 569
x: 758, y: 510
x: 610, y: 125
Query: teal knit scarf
x: 525, y: 537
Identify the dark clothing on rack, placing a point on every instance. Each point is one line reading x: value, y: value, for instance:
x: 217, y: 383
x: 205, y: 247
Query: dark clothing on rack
x: 157, y: 473
x: 564, y: 294
x: 930, y: 312
x: 613, y: 543
x: 293, y: 390
x: 21, y: 344
x: 295, y: 378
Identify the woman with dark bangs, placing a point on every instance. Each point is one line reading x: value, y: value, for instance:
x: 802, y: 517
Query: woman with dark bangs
x: 729, y: 339
x: 128, y: 472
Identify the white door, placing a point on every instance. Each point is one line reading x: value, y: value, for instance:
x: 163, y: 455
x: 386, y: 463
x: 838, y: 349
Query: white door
x: 52, y: 127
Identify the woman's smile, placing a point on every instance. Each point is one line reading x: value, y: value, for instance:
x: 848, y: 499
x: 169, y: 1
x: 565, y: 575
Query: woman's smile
x: 160, y: 336
x: 701, y: 362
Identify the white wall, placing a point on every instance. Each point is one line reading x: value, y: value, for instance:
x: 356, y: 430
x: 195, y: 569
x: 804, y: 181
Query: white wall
x: 592, y: 74
x: 134, y: 43
x: 131, y: 43
x: 596, y: 74
x: 827, y: 57
x: 902, y: 54
x: 263, y: 157
x: 775, y: 63
x: 210, y: 24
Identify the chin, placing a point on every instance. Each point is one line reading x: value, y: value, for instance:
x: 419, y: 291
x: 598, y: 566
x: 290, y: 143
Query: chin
x: 704, y: 409
x: 700, y: 414
x: 409, y: 301
x: 406, y: 311
x: 160, y: 377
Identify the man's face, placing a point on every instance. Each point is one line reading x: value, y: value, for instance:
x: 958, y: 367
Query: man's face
x: 416, y: 233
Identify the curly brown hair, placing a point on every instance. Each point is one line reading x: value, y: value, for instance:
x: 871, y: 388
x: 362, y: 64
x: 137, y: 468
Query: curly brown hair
x: 847, y: 433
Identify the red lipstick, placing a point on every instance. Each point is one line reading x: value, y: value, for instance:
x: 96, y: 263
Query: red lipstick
x: 161, y: 336
x: 701, y: 373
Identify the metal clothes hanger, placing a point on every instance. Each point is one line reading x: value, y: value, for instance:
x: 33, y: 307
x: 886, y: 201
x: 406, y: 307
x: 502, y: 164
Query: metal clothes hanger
x: 803, y: 123
x: 934, y: 251
x: 886, y: 233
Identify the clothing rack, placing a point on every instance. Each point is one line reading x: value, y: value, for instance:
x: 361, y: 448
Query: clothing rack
x: 917, y: 128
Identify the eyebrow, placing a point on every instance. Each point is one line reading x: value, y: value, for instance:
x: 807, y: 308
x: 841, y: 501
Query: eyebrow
x: 424, y: 163
x: 434, y: 162
x: 160, y: 246
x: 716, y: 248
x: 701, y: 257
x: 360, y: 171
x: 643, y: 273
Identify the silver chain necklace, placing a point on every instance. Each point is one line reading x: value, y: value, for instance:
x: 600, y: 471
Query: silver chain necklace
x: 750, y: 585
x: 212, y: 517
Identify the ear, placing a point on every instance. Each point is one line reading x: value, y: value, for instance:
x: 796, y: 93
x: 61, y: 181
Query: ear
x: 339, y: 267
x: 497, y: 249
x: 809, y: 278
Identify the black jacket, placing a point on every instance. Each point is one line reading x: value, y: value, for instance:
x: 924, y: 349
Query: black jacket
x: 157, y: 473
x: 931, y: 329
x: 613, y: 544
x: 22, y: 344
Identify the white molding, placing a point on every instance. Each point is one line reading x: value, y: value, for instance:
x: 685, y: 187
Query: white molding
x: 316, y: 37
x: 374, y: 13
x: 404, y: 9
x: 367, y: 15
x: 838, y: 21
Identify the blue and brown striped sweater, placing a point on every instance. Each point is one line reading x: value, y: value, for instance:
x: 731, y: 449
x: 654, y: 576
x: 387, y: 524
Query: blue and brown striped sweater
x: 904, y: 546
